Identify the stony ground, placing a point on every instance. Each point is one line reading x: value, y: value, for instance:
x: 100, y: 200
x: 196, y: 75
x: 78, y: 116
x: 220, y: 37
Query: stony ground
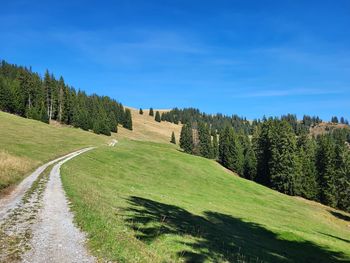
x: 36, y: 224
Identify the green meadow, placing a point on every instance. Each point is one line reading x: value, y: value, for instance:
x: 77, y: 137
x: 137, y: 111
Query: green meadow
x: 149, y: 202
x: 25, y: 144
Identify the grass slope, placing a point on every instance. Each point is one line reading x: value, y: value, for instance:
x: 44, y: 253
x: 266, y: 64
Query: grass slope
x: 145, y: 128
x: 25, y: 144
x: 148, y: 202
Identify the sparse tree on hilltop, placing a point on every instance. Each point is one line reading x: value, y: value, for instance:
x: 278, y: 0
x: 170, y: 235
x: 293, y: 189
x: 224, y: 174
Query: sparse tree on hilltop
x: 127, y: 120
x: 173, y: 140
x: 157, y: 118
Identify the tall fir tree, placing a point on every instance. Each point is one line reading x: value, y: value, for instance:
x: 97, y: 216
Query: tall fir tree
x: 307, y: 159
x: 261, y: 146
x: 205, y: 148
x: 326, y: 169
x: 173, y: 139
x: 186, y: 138
x: 283, y: 165
x: 250, y: 162
x: 215, y: 144
x: 157, y: 117
x: 230, y: 151
x: 151, y: 113
x: 127, y: 120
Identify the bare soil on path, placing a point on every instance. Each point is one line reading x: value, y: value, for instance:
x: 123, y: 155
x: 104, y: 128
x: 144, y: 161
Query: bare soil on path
x: 36, y: 224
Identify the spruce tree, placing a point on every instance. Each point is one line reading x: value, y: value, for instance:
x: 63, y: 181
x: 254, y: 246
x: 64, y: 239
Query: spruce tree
x: 343, y: 183
x: 215, y: 144
x: 157, y: 118
x: 127, y: 120
x: 186, y: 138
x: 230, y: 151
x: 250, y: 162
x: 151, y: 113
x: 326, y: 169
x: 173, y: 140
x: 205, y: 148
x: 283, y: 165
x: 261, y: 146
x: 307, y: 158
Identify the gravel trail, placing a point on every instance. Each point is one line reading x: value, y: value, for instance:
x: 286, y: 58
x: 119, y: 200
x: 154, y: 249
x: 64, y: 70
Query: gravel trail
x: 12, y: 200
x: 54, y: 236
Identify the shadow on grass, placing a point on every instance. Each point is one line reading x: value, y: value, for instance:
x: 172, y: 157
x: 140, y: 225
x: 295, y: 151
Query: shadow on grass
x: 218, y: 237
x: 340, y: 215
x: 339, y: 238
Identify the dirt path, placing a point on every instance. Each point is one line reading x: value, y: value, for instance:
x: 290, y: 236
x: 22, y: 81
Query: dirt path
x: 36, y: 224
x: 55, y: 237
x: 14, y: 198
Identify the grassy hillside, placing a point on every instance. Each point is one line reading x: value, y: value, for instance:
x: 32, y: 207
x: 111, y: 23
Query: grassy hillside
x: 148, y: 202
x: 145, y: 128
x: 25, y: 144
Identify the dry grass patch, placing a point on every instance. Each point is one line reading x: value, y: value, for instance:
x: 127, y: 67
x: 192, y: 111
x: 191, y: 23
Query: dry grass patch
x: 13, y: 168
x: 145, y: 128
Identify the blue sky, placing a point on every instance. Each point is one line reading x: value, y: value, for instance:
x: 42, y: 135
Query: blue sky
x: 246, y: 57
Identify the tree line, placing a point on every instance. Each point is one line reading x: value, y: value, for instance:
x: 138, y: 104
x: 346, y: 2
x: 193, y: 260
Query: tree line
x: 27, y: 94
x: 240, y: 124
x: 279, y: 156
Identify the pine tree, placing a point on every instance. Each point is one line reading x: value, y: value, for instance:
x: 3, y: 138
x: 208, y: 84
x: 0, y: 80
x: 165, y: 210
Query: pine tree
x: 215, y: 144
x: 141, y: 111
x: 250, y: 162
x: 112, y: 120
x: 343, y: 183
x: 186, y: 138
x: 307, y: 159
x: 127, y: 120
x: 261, y: 146
x: 205, y: 148
x: 326, y: 169
x: 157, y: 118
x: 151, y: 113
x: 283, y: 164
x: 230, y: 151
x: 173, y: 140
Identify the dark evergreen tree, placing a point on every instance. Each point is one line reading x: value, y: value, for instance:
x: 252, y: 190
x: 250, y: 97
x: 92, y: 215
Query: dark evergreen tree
x: 262, y: 149
x: 127, y: 120
x: 173, y: 140
x: 230, y: 151
x: 307, y: 160
x: 205, y: 148
x: 157, y: 118
x: 141, y: 111
x: 250, y: 162
x: 186, y: 138
x: 151, y: 113
x: 215, y: 145
x: 326, y: 169
x: 283, y: 165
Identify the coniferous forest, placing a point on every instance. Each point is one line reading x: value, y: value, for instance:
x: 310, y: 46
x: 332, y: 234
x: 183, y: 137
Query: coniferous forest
x: 27, y: 94
x: 280, y: 153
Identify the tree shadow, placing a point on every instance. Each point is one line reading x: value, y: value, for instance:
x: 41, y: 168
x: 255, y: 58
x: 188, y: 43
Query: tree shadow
x: 339, y: 238
x: 340, y: 215
x: 218, y: 237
